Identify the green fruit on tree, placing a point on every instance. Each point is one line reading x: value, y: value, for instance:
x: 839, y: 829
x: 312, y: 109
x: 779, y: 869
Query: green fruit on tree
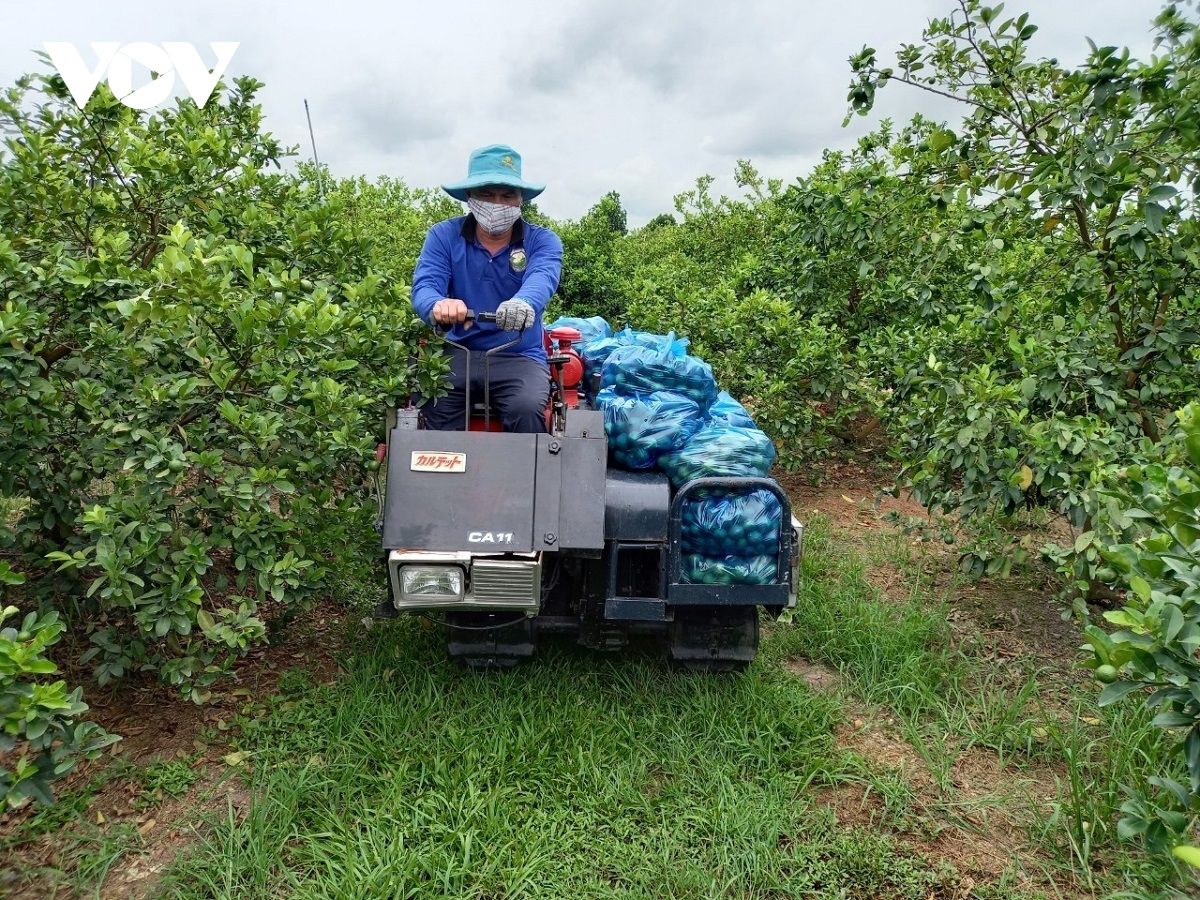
x: 1106, y: 674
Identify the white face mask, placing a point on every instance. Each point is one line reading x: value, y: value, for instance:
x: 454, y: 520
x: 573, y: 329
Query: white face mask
x: 494, y: 218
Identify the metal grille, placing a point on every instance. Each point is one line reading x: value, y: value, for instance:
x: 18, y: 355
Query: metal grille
x: 506, y: 583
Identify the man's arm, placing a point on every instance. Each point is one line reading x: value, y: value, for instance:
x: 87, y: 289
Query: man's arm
x: 431, y: 277
x: 545, y: 268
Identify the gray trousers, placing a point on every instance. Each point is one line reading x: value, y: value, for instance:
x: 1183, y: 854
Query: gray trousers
x: 519, y: 389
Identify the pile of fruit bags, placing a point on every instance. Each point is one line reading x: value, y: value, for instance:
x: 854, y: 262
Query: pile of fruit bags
x: 662, y: 409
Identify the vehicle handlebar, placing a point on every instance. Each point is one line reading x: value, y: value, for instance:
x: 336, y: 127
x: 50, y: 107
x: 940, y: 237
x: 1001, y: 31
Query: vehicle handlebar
x: 473, y: 316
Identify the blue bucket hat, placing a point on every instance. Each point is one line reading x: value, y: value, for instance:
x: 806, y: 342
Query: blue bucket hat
x: 494, y: 164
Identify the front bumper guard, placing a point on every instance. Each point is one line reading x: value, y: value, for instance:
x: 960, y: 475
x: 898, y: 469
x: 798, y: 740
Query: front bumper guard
x: 512, y: 582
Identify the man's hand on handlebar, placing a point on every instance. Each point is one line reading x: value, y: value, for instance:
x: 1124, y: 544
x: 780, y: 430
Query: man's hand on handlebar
x: 514, y: 315
x: 449, y: 312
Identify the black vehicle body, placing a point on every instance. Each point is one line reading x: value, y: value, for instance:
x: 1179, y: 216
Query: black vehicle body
x: 511, y: 536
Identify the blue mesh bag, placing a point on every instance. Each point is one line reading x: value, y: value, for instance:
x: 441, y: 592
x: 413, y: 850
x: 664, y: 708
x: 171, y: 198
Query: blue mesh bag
x: 718, y: 449
x: 698, y: 569
x: 642, y: 427
x: 596, y: 352
x: 744, y: 524
x: 637, y: 369
x: 590, y: 329
x: 730, y: 411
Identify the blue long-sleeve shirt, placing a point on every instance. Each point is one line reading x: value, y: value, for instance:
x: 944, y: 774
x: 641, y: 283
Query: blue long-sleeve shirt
x: 454, y: 264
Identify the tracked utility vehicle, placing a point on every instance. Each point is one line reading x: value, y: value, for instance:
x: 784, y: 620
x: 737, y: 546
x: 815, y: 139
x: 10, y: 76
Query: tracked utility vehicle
x: 510, y: 537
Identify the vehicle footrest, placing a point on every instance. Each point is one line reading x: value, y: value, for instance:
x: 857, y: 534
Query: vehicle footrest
x: 485, y: 640
x: 713, y: 640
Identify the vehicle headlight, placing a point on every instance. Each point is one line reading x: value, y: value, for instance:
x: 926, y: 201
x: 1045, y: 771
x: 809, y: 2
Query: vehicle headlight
x: 431, y: 581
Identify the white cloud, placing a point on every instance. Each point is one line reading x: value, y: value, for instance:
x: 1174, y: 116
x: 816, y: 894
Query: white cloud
x: 628, y: 95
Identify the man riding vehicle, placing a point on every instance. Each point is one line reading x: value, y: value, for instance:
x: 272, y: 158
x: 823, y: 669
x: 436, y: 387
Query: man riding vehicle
x: 490, y: 261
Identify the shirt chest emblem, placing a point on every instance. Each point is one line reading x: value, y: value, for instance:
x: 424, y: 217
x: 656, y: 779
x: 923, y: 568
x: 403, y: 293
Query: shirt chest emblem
x: 517, y: 260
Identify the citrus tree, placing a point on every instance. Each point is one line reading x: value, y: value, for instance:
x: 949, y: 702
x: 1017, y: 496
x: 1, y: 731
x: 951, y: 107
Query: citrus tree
x: 195, y: 355
x: 1153, y: 515
x: 1089, y: 326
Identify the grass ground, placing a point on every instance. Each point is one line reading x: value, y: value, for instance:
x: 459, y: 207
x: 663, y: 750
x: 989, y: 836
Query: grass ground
x: 901, y: 736
x: 581, y: 776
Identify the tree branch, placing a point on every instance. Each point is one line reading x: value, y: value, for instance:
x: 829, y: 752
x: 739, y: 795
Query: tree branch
x: 50, y: 356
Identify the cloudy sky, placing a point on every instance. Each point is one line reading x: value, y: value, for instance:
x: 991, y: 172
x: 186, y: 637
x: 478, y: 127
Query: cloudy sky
x: 637, y: 96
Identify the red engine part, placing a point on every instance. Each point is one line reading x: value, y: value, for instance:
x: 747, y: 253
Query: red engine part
x: 560, y: 347
x: 478, y: 422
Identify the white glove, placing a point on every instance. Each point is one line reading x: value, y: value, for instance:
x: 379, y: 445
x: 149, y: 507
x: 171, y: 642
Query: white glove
x: 514, y: 315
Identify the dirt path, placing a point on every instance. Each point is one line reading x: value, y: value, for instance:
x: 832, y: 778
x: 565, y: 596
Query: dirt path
x: 974, y: 815
x: 1017, y: 618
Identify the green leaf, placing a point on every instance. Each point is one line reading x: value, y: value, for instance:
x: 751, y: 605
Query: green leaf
x: 1141, y: 587
x: 1172, y: 720
x: 229, y: 411
x: 1130, y: 827
x: 1172, y: 623
x: 205, y: 620
x: 1161, y: 192
x: 1191, y: 750
x: 1118, y: 689
x: 941, y: 139
x: 1123, y: 618
x: 8, y: 576
x: 1154, y: 217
